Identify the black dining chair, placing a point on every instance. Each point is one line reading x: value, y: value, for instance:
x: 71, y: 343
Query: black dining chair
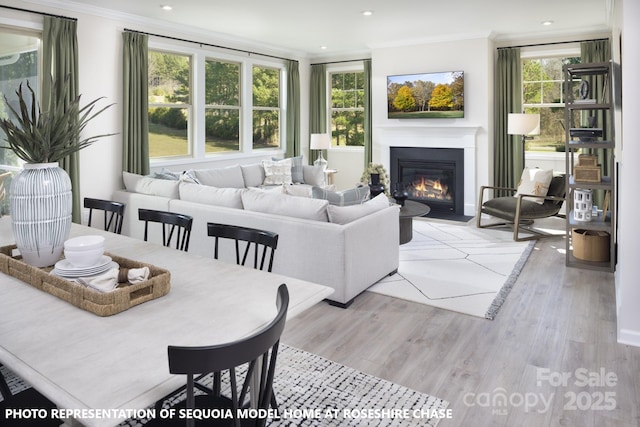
x: 264, y: 242
x: 172, y: 222
x: 29, y: 398
x: 113, y: 213
x: 259, y: 351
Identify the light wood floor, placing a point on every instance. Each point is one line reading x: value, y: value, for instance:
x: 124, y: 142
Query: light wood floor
x: 556, y: 320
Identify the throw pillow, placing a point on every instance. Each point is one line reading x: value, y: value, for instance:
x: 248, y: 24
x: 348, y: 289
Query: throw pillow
x: 205, y: 194
x: 281, y: 204
x: 535, y: 182
x: 347, y: 214
x: 313, y: 175
x: 146, y: 185
x: 166, y: 174
x: 253, y: 175
x: 297, y: 175
x: 353, y: 196
x: 228, y: 177
x: 189, y: 176
x: 277, y: 172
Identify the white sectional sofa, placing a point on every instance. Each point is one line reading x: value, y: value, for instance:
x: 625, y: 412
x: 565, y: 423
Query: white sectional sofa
x: 348, y: 248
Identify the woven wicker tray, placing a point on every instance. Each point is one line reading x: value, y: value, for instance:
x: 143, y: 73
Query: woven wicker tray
x: 102, y: 304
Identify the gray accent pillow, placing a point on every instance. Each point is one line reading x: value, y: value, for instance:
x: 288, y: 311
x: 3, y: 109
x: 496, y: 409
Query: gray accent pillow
x: 135, y: 183
x: 353, y: 196
x: 166, y: 174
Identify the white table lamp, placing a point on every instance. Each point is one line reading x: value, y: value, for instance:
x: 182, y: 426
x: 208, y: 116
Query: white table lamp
x: 320, y: 141
x: 523, y: 124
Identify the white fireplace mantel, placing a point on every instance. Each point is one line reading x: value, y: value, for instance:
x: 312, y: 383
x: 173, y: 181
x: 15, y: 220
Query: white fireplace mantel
x: 463, y: 137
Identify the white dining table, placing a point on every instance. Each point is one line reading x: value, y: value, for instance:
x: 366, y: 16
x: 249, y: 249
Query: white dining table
x: 103, y: 365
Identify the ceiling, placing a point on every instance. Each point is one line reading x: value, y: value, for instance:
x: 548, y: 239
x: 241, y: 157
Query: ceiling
x: 304, y: 26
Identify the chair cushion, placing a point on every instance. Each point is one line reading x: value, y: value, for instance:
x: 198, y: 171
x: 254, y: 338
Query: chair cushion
x: 505, y: 208
x: 535, y: 181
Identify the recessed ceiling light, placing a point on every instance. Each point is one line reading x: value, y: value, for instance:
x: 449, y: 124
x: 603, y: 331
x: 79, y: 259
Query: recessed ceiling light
x: 547, y: 23
x: 166, y: 7
x: 367, y: 12
x: 323, y: 47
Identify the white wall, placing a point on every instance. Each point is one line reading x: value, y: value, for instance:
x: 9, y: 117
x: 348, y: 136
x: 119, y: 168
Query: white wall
x: 475, y: 57
x: 628, y: 271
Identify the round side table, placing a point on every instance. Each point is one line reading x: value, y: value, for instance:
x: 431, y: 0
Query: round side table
x: 410, y: 210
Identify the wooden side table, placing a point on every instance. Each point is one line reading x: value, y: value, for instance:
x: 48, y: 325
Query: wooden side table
x: 410, y: 210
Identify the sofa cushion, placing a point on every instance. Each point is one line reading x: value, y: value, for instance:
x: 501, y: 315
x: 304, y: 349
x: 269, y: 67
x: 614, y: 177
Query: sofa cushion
x: 277, y: 172
x: 346, y: 214
x: 228, y: 177
x: 253, y: 175
x: 352, y: 196
x: 313, y: 175
x: 146, y: 185
x: 227, y: 197
x: 536, y: 182
x: 299, y: 190
x: 282, y: 204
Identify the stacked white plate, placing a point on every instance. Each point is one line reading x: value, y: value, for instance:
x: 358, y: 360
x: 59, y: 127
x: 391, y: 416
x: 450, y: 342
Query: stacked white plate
x: 64, y: 268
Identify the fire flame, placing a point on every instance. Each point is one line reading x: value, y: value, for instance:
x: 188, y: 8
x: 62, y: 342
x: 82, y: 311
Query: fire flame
x: 431, y: 189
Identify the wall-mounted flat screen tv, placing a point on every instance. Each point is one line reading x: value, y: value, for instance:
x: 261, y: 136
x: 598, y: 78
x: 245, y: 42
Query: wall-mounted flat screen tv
x: 426, y: 96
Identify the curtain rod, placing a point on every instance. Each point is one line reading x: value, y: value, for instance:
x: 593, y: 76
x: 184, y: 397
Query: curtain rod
x: 39, y: 13
x: 552, y: 43
x: 209, y: 44
x: 340, y: 62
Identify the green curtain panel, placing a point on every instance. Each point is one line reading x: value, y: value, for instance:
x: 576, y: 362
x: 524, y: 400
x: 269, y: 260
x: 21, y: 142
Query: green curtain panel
x: 599, y: 51
x: 507, y: 153
x: 59, y: 62
x: 368, y: 150
x: 135, y: 122
x: 293, y: 109
x: 318, y: 103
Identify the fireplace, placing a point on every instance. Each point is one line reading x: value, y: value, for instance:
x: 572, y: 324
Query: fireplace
x: 433, y: 176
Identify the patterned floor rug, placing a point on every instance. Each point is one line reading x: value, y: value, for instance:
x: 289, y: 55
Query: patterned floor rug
x: 314, y: 391
x: 458, y: 267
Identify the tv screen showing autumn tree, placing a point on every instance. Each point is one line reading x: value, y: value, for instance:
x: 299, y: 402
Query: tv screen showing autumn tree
x: 426, y: 96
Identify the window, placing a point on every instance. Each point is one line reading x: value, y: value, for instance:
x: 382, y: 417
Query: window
x: 266, y: 107
x: 222, y: 109
x: 203, y: 104
x: 169, y: 104
x: 542, y: 92
x: 347, y: 108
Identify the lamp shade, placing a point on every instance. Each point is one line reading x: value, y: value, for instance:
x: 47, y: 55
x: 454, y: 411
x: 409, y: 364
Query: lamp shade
x: 320, y: 141
x: 523, y: 124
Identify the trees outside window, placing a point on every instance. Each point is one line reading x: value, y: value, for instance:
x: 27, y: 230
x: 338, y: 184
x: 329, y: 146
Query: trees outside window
x: 266, y: 107
x: 203, y: 104
x: 222, y: 109
x: 542, y: 93
x: 169, y: 104
x: 347, y: 109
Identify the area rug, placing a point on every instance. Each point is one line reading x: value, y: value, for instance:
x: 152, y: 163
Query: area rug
x: 314, y: 391
x: 457, y: 267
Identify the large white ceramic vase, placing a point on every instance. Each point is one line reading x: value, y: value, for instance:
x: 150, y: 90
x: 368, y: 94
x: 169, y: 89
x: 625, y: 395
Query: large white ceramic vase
x: 40, y: 206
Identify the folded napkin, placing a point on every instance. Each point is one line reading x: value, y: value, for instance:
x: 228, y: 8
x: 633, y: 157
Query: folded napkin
x: 108, y: 281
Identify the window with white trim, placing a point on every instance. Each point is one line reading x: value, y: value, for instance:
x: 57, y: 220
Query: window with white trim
x: 542, y: 92
x: 204, y: 104
x: 346, y: 109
